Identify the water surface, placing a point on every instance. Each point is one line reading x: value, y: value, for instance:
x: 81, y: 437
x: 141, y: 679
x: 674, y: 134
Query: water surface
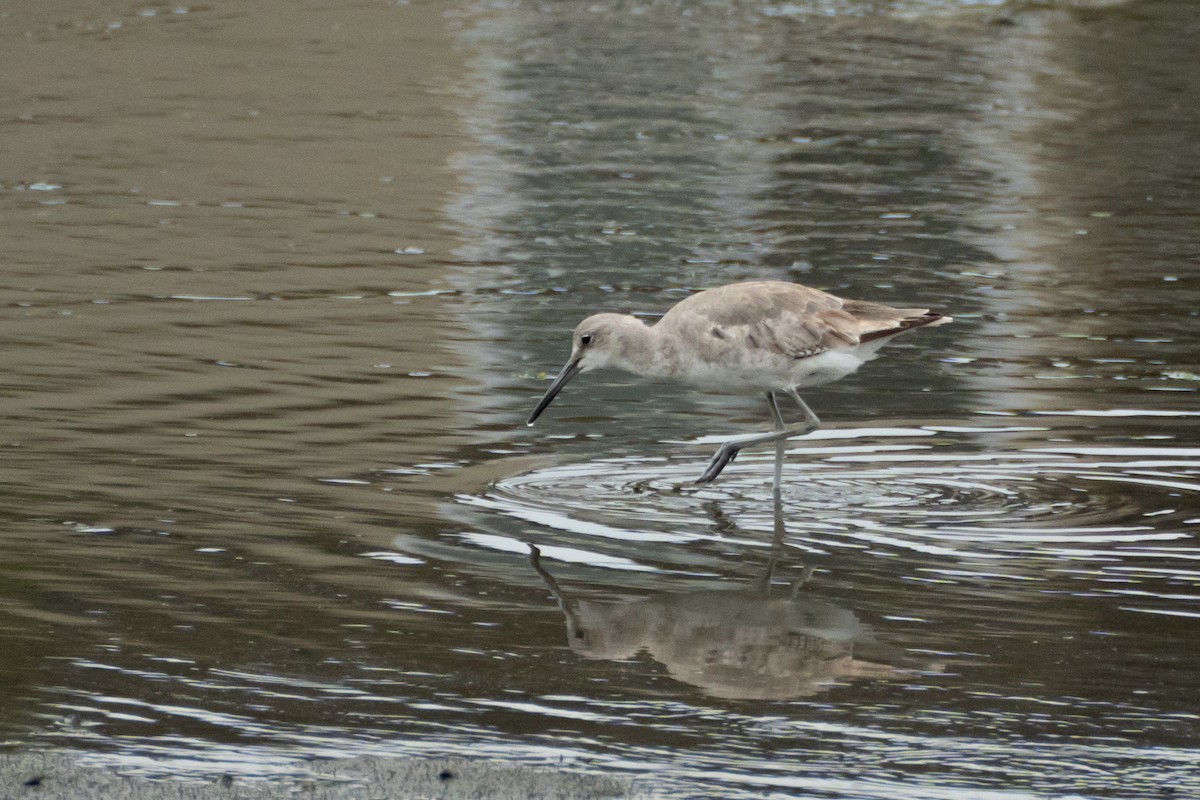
x: 281, y: 284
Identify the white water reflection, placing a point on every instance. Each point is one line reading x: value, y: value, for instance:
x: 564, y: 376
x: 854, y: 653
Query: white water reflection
x: 1007, y: 505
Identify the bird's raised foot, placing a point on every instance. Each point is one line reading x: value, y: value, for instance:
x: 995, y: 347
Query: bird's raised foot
x: 721, y: 459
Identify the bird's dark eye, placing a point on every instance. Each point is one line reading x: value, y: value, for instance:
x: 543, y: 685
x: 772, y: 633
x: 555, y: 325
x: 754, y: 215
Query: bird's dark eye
x: 586, y: 339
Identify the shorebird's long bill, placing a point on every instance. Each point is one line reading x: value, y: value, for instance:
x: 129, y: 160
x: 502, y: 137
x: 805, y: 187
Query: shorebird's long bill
x: 568, y: 372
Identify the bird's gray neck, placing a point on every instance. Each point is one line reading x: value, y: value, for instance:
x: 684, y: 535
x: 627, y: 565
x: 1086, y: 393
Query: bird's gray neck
x: 643, y: 353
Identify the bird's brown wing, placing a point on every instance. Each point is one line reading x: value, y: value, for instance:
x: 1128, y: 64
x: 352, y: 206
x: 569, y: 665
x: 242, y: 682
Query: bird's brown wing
x: 785, y: 318
x: 790, y: 319
x: 875, y: 320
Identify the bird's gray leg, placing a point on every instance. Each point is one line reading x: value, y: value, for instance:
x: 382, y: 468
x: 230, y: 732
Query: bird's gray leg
x: 780, y: 446
x: 728, y: 451
x: 775, y: 412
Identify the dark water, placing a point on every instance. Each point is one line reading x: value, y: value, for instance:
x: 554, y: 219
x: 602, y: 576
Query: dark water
x: 281, y: 283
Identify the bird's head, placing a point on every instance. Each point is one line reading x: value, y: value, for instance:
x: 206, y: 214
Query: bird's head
x: 601, y: 340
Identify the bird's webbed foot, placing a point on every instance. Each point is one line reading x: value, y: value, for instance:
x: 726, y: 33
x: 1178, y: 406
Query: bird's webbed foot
x: 721, y: 459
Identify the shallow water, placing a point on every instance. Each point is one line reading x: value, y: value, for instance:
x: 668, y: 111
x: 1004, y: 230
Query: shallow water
x: 281, y: 285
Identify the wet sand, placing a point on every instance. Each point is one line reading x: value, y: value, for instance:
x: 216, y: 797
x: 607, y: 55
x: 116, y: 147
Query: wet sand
x: 51, y: 776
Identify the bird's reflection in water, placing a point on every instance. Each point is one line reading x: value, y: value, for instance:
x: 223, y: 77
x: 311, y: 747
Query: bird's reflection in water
x: 744, y: 644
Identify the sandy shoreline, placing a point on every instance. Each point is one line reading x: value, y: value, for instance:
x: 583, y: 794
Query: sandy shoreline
x: 66, y: 776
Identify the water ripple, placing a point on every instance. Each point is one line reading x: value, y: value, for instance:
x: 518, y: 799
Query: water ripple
x: 1021, y: 513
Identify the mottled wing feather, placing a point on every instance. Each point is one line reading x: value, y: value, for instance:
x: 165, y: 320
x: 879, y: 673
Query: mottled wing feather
x: 793, y: 320
x: 800, y: 334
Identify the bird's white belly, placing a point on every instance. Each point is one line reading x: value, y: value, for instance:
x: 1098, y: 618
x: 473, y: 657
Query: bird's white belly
x: 763, y: 372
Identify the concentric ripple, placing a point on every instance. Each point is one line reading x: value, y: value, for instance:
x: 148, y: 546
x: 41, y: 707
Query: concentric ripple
x: 1124, y: 508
